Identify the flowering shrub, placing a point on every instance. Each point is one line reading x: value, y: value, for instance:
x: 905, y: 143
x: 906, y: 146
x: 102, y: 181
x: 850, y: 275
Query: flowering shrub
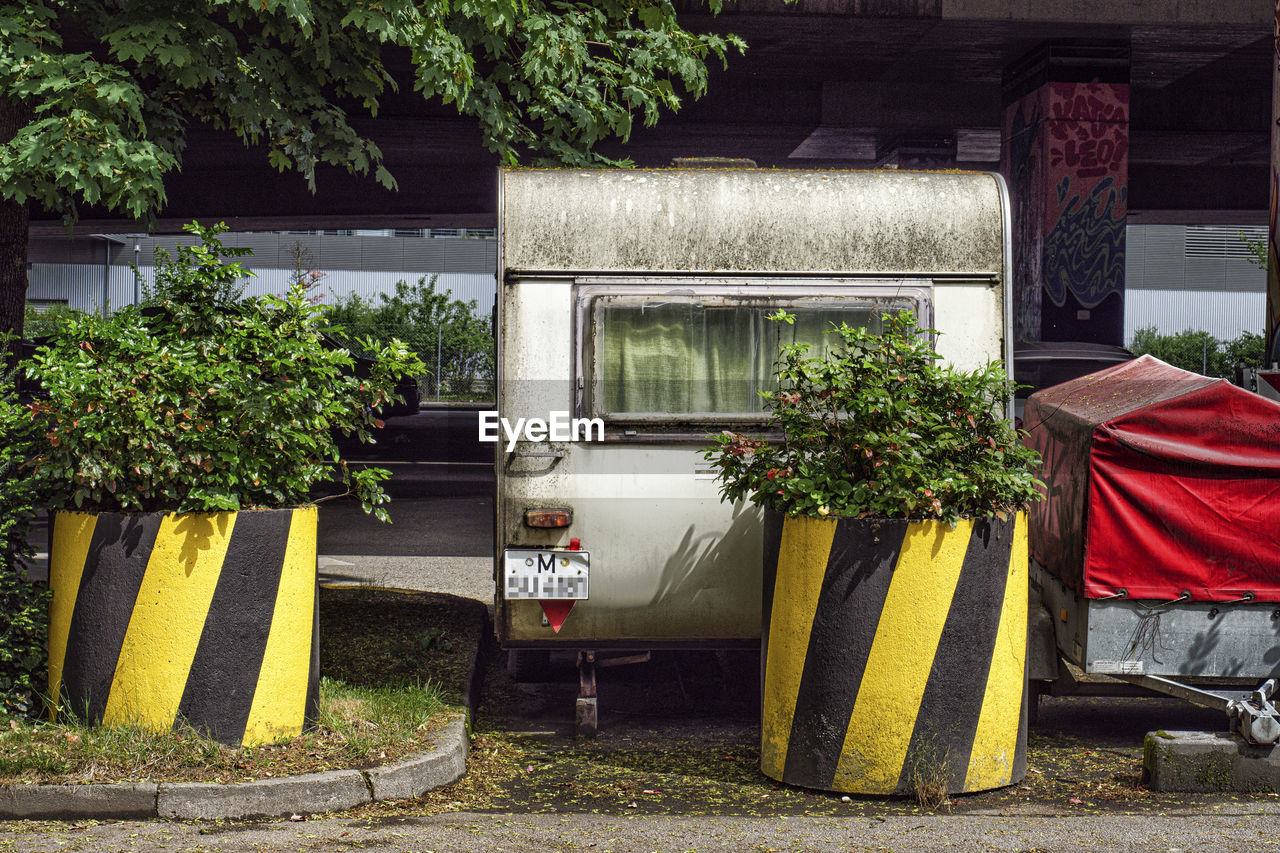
x: 198, y: 402
x: 878, y: 428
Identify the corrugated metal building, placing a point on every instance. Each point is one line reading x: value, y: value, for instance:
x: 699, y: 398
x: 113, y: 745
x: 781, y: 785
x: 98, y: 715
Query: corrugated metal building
x: 83, y: 271
x: 1178, y: 277
x: 1197, y: 277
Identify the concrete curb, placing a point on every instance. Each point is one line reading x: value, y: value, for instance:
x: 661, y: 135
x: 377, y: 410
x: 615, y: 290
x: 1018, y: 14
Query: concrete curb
x: 310, y: 793
x: 471, y: 690
x: 426, y: 772
x: 305, y: 794
x: 121, y: 801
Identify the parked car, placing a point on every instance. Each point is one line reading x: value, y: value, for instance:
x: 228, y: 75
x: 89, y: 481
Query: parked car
x: 407, y: 387
x: 1042, y: 364
x: 28, y: 388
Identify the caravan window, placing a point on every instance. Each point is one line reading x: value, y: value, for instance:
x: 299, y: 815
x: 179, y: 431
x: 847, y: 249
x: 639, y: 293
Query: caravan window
x: 657, y: 356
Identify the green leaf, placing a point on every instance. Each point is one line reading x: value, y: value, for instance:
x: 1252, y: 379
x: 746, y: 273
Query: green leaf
x: 865, y: 427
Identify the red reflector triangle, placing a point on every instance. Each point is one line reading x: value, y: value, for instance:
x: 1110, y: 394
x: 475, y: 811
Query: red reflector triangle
x: 557, y: 610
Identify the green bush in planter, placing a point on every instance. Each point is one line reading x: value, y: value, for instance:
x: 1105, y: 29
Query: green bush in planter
x: 898, y: 604
x: 198, y: 401
x: 161, y: 424
x: 23, y: 603
x: 878, y: 428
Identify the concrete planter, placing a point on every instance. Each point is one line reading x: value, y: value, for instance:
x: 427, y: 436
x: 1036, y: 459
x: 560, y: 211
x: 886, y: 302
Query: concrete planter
x: 204, y: 618
x: 895, y: 654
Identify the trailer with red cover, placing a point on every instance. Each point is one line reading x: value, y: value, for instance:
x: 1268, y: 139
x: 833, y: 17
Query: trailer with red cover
x: 1156, y: 550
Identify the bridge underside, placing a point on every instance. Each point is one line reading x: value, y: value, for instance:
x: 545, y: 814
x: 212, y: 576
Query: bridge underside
x: 838, y: 83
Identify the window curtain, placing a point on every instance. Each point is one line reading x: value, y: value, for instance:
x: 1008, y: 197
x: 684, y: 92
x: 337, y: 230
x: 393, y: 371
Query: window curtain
x: 678, y: 357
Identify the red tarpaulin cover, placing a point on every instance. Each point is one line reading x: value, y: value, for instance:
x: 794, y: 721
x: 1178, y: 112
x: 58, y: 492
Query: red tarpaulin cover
x: 1158, y: 482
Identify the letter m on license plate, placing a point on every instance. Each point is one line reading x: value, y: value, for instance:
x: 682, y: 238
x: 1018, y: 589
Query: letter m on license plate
x: 528, y: 573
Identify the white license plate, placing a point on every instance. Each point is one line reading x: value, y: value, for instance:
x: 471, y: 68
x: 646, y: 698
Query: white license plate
x: 545, y: 574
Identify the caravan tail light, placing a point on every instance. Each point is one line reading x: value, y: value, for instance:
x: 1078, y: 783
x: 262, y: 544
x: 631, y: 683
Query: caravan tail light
x: 556, y: 517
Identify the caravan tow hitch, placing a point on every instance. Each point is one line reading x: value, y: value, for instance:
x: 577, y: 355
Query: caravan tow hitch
x: 1252, y: 714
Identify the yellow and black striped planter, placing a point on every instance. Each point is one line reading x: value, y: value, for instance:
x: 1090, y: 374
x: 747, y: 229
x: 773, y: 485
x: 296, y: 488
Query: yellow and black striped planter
x: 208, y: 619
x: 894, y: 650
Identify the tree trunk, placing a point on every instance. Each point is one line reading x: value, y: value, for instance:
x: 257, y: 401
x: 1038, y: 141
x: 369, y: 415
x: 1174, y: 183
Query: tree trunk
x: 13, y: 265
x: 13, y: 237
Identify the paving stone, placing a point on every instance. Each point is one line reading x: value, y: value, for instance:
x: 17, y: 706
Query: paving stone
x: 1203, y: 762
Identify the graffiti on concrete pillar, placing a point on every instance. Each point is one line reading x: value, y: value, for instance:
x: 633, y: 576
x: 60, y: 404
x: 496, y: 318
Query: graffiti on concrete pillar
x: 1273, y: 261
x: 1087, y: 137
x: 1084, y: 253
x: 1022, y: 162
x: 1273, y: 230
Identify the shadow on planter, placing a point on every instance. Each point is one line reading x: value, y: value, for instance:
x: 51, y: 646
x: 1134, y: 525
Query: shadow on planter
x: 207, y: 619
x: 895, y: 654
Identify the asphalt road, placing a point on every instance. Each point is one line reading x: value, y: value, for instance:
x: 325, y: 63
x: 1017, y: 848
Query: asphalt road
x: 429, y: 525
x: 441, y: 533
x: 1249, y: 829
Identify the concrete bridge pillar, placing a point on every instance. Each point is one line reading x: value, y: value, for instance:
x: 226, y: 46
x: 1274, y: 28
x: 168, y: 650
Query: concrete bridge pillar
x: 1273, y: 250
x: 1065, y: 154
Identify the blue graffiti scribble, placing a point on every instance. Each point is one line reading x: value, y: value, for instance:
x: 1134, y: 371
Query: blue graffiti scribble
x: 1084, y: 253
x: 1063, y: 187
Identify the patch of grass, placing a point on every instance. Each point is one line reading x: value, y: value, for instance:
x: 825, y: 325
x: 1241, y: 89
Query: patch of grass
x: 19, y: 758
x: 69, y: 752
x: 927, y: 774
x: 363, y: 722
x: 384, y: 695
x: 358, y: 727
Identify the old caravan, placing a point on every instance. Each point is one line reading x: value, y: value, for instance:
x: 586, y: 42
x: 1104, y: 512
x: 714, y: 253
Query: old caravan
x: 632, y: 313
